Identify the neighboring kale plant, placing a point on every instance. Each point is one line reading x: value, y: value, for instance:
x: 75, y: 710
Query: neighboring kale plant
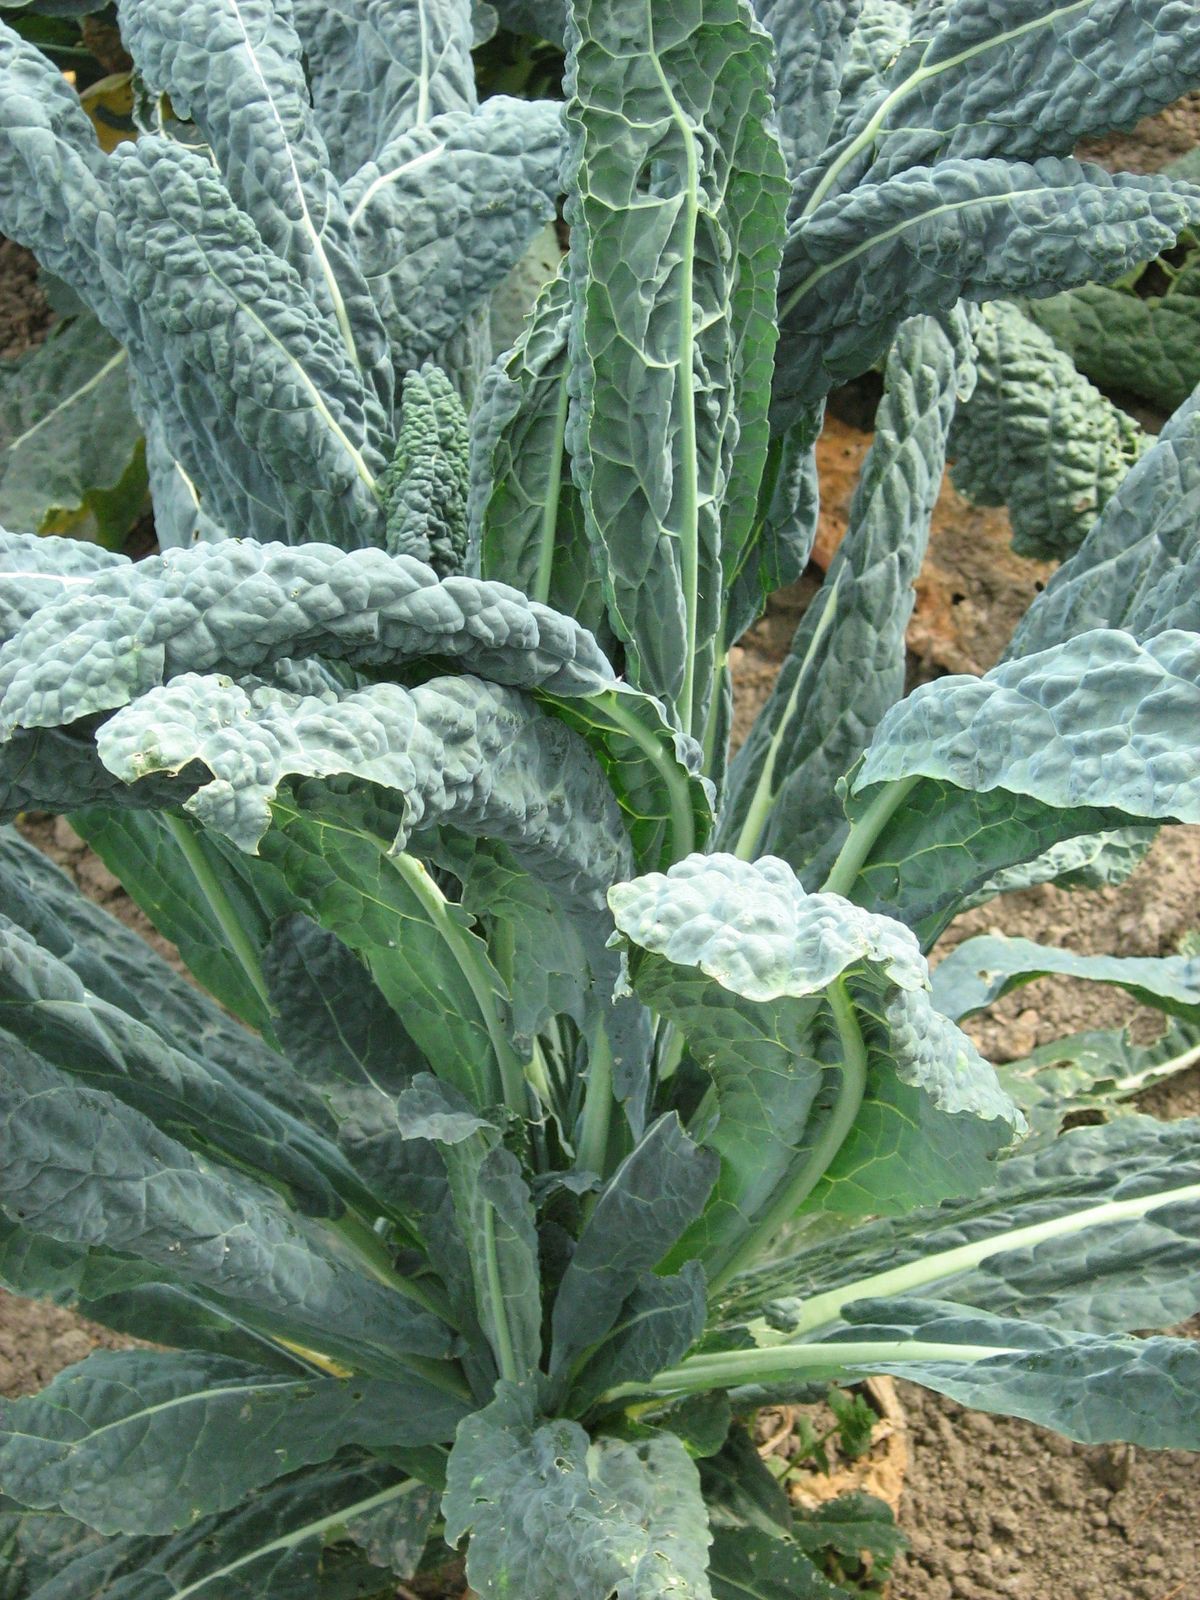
x: 562, y: 1094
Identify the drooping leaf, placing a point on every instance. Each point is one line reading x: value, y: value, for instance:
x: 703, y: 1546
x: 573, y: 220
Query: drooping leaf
x: 987, y: 772
x: 1139, y: 567
x: 376, y: 70
x: 1087, y: 1386
x: 276, y: 1546
x: 1088, y: 1231
x: 117, y: 1180
x: 980, y: 971
x: 446, y: 208
x: 47, y: 568
x: 244, y: 606
x: 1037, y: 437
x: 847, y: 662
x: 139, y: 1441
x: 1124, y: 338
x: 1097, y: 1073
x: 550, y: 1513
x: 674, y: 249
x: 236, y: 69
x: 119, y: 967
x: 970, y: 227
x: 1023, y: 80
x: 70, y: 455
x: 45, y: 1006
x: 739, y: 957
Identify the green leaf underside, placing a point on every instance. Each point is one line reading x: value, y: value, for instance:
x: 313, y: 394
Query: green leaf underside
x: 988, y: 772
x: 1087, y: 1232
x: 980, y: 971
x: 675, y: 240
x: 739, y: 957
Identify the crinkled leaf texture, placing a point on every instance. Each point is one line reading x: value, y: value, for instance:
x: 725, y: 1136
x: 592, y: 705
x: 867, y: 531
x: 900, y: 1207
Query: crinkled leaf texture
x: 739, y: 957
x: 140, y: 1441
x: 552, y: 1513
x: 983, y: 773
x: 675, y: 238
x: 1037, y: 437
x: 1088, y: 1231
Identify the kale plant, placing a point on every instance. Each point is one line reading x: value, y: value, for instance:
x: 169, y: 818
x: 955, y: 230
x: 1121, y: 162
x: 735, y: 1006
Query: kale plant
x: 562, y: 1092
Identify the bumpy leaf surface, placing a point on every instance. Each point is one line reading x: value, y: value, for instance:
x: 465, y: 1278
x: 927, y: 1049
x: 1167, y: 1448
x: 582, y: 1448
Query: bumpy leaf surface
x: 1139, y: 567
x: 550, y: 1513
x: 376, y: 69
x: 245, y: 606
x: 675, y: 235
x: 1094, y: 733
x: 1037, y: 437
x: 737, y: 955
x: 140, y: 1441
x: 969, y: 227
x: 236, y: 68
x: 1087, y: 1231
x: 443, y: 211
x: 276, y: 1546
x: 846, y: 664
x: 656, y: 1192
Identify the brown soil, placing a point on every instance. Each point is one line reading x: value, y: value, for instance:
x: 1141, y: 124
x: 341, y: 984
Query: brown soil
x: 24, y: 310
x: 1153, y: 143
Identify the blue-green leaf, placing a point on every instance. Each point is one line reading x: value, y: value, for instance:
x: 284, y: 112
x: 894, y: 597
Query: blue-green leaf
x: 236, y: 69
x: 656, y: 1192
x: 847, y: 662
x: 1139, y: 567
x: 376, y: 70
x: 70, y: 446
x: 443, y: 211
x: 968, y: 227
x: 979, y: 971
x: 803, y: 1113
x: 140, y: 1441
x: 971, y: 775
x: 1089, y: 1231
x: 674, y: 248
x: 117, y: 1180
x: 1037, y: 437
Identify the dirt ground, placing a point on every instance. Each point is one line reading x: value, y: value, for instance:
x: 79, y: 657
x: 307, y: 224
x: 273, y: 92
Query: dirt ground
x: 995, y: 1509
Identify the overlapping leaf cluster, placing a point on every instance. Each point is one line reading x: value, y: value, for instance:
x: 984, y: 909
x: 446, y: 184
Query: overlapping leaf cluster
x: 558, y: 1092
